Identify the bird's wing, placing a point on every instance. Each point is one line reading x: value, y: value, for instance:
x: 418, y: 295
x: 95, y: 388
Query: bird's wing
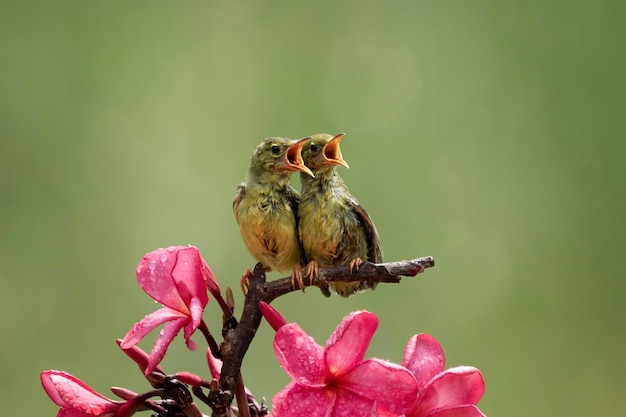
x: 241, y: 191
x: 293, y: 197
x: 374, y: 250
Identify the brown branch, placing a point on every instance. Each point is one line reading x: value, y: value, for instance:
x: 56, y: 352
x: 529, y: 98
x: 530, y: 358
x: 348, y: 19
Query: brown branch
x: 390, y: 272
x: 238, y: 339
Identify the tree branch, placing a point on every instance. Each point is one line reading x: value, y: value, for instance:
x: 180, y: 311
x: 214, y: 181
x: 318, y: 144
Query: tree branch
x: 237, y: 339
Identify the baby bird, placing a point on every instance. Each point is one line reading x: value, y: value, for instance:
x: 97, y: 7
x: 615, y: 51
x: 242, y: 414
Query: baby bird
x: 334, y: 228
x: 265, y: 206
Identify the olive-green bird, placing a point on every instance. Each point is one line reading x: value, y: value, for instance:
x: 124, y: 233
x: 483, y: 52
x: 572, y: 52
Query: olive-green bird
x: 265, y: 206
x: 334, y: 228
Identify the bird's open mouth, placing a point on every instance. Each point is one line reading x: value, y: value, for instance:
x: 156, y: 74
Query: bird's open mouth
x: 332, y: 151
x: 294, y: 157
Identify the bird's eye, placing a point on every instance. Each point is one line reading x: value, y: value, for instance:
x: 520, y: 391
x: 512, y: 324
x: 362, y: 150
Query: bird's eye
x: 275, y: 149
x: 314, y: 147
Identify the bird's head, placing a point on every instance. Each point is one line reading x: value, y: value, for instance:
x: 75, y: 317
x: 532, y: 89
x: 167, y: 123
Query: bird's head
x: 322, y: 150
x: 277, y: 157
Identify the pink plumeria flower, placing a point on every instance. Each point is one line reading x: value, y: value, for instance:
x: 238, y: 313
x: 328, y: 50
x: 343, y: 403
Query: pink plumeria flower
x: 335, y: 381
x: 451, y: 393
x: 77, y: 399
x: 177, y: 278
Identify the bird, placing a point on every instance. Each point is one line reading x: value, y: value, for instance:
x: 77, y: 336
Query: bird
x: 334, y: 228
x: 266, y: 204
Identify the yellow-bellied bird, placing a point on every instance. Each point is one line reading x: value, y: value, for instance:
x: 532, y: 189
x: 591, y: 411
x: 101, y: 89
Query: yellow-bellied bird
x: 334, y: 228
x: 265, y: 206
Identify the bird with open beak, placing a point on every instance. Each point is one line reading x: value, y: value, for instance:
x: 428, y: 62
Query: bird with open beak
x: 334, y: 228
x: 266, y: 204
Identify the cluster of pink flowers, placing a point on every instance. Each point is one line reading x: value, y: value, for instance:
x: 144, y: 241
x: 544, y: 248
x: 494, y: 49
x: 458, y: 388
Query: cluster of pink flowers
x: 331, y: 380
x: 338, y: 382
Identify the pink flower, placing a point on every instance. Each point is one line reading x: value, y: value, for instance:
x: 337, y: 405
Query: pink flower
x: 177, y: 278
x: 335, y: 381
x: 451, y: 393
x: 77, y: 399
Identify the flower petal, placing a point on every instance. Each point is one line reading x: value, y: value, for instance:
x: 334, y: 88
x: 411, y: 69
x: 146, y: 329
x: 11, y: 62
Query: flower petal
x: 189, y: 378
x: 137, y: 355
x: 148, y: 323
x: 209, y: 280
x: 196, y: 309
x: 49, y: 385
x: 393, y: 387
x: 348, y: 343
x: 215, y: 365
x: 462, y: 385
x: 424, y: 357
x: 299, y: 355
x: 189, y: 277
x: 272, y: 316
x: 69, y: 392
x: 154, y: 274
x: 351, y: 404
x: 461, y: 411
x: 70, y: 412
x: 297, y: 400
x: 166, y: 336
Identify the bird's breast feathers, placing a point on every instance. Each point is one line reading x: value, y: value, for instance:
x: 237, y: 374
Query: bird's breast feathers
x: 330, y: 232
x: 268, y: 229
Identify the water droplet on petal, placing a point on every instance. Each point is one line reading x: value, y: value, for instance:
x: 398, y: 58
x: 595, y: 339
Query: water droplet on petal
x: 163, y: 258
x: 152, y: 265
x: 299, y: 342
x: 171, y: 248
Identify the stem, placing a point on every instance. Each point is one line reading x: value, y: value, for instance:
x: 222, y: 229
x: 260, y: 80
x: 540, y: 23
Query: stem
x: 215, y: 349
x: 228, y: 312
x: 242, y: 398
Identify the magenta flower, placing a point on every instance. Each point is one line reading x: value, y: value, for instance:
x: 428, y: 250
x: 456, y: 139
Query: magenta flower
x: 77, y: 399
x: 451, y: 393
x: 335, y: 381
x: 176, y: 277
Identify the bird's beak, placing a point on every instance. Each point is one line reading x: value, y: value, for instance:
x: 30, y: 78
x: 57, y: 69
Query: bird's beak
x: 293, y: 157
x: 332, y: 152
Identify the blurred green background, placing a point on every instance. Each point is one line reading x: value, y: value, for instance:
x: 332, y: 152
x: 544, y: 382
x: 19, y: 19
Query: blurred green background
x: 487, y: 134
